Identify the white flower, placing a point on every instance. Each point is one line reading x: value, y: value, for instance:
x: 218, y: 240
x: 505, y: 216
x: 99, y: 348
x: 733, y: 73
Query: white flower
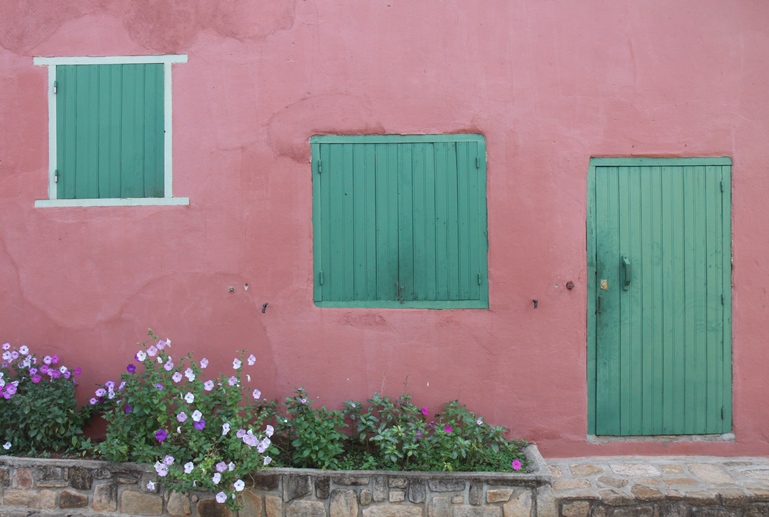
x: 141, y: 356
x: 176, y: 377
x: 208, y: 385
x: 225, y: 428
x: 160, y: 359
x: 189, y: 374
x: 221, y: 497
x: 150, y: 485
x: 63, y: 369
x: 7, y: 346
x: 188, y: 467
x: 203, y: 363
x: 7, y: 445
x: 217, y: 477
x: 269, y: 430
x: 236, y: 364
x: 189, y: 398
x: 267, y: 460
x: 161, y: 469
x: 256, y: 393
x: 6, y: 356
x: 230, y: 466
x: 251, y: 360
x: 168, y: 460
x: 239, y: 485
x: 23, y: 350
x: 152, y: 351
x: 196, y: 416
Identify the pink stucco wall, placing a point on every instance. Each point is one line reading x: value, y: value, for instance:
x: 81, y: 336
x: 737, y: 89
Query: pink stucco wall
x: 549, y: 83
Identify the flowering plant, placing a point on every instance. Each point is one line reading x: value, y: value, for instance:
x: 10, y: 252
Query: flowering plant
x: 38, y: 409
x: 201, y: 432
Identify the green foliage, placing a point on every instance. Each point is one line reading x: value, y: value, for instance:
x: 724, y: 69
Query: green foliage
x: 38, y: 409
x: 392, y: 435
x: 198, y: 430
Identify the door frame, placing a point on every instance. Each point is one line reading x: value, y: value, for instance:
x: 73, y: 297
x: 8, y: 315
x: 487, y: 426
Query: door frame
x: 592, y: 249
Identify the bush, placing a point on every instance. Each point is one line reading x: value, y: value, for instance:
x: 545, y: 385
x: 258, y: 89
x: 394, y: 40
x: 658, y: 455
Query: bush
x: 38, y: 409
x: 200, y: 434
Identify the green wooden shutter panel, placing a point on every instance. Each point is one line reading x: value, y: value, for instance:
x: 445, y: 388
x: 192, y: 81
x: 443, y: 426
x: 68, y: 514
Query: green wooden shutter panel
x: 662, y: 347
x: 110, y: 137
x: 400, y: 223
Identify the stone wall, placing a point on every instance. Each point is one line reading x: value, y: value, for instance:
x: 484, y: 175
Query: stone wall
x: 90, y: 488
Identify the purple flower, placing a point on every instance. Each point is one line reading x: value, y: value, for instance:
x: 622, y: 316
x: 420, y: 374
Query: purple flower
x: 67, y: 374
x: 200, y: 425
x: 251, y: 360
x: 127, y: 409
x: 419, y: 434
x: 152, y: 351
x: 516, y: 465
x: 93, y: 401
x: 221, y: 497
x: 36, y: 378
x: 181, y: 417
x: 447, y: 428
x: 256, y: 393
x: 161, y: 435
x: 177, y: 377
x: 131, y: 368
x: 221, y: 466
x: 44, y: 368
x: 425, y: 411
x: 208, y: 385
x: 101, y: 392
x: 55, y: 374
x: 47, y: 359
x: 32, y: 371
x: 241, y: 433
x: 54, y: 359
x: 203, y: 363
x: 169, y: 365
x: 159, y: 386
x: 77, y: 371
x: 232, y: 381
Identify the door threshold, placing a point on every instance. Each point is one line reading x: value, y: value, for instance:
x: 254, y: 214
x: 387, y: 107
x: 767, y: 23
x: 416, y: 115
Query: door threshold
x: 728, y: 437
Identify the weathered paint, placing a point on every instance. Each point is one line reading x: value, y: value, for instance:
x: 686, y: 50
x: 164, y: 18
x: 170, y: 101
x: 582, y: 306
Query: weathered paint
x: 549, y: 84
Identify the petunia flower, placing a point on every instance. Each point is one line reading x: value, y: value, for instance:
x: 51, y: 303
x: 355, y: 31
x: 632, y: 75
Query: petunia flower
x: 269, y: 430
x: 150, y: 485
x: 131, y: 368
x: 447, y: 428
x: 181, y: 417
x: 221, y: 466
x: 77, y: 371
x: 54, y: 359
x: 239, y: 485
x: 200, y: 425
x: 152, y: 351
x: 140, y: 356
x: 161, y: 435
x: 267, y: 460
x: 516, y: 465
x: 161, y: 469
x: 168, y: 460
x: 7, y: 445
x: 169, y: 365
x: 204, y: 363
x: 23, y: 349
x: 251, y: 360
x: 159, y: 386
x: 256, y: 393
x: 236, y: 364
x: 208, y: 385
x: 230, y: 466
x: 36, y: 378
x: 189, y: 398
x: 221, y: 497
x: 176, y: 377
x: 7, y: 346
x: 232, y: 381
x: 225, y: 428
x: 425, y: 411
x: 188, y: 467
x: 197, y: 415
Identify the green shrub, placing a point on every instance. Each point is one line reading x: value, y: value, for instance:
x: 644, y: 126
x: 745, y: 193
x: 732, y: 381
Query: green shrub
x: 38, y: 409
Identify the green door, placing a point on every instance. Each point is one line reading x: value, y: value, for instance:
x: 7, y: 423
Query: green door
x: 659, y: 325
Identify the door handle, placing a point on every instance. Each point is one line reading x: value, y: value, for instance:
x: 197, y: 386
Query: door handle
x: 625, y: 273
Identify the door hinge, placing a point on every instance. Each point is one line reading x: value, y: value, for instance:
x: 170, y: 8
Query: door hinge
x: 722, y: 412
x: 477, y: 162
x: 479, y: 279
x: 55, y: 86
x: 320, y: 167
x: 56, y: 176
x: 722, y: 299
x: 722, y: 185
x: 320, y: 277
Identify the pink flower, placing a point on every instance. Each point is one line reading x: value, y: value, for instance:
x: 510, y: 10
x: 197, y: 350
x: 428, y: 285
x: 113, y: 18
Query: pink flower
x: 54, y: 359
x: 516, y: 465
x: 425, y: 411
x: 447, y: 428
x: 36, y: 378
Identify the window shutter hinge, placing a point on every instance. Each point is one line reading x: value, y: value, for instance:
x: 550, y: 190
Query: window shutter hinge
x: 722, y: 299
x: 479, y: 279
x: 722, y: 185
x: 320, y: 277
x: 56, y: 176
x: 55, y: 86
x: 320, y: 167
x: 477, y: 162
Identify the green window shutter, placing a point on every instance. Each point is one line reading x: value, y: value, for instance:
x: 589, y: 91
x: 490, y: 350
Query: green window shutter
x: 110, y: 137
x: 400, y: 221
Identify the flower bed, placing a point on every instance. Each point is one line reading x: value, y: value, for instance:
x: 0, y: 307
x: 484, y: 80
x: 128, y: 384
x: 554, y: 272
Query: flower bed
x: 85, y: 488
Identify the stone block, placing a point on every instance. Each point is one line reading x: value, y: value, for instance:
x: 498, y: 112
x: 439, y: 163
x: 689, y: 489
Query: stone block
x: 474, y: 511
x: 612, y: 481
x: 716, y: 511
x: 295, y: 486
x: 72, y: 499
x: 498, y: 495
x: 102, y: 473
x: 351, y: 481
x: 380, y: 489
x: 475, y: 496
x: 139, y: 503
x: 265, y: 482
x: 51, y: 483
x: 104, y: 497
x: 322, y: 488
x: 520, y: 505
x: 210, y: 508
x: 439, y: 506
x: 46, y: 500
x: 570, y: 484
x: 575, y: 509
x: 252, y: 504
x: 306, y: 509
x: 672, y: 470
x: 397, y: 496
x: 48, y: 473
x: 701, y: 498
x: 273, y: 506
x: 22, y: 478
x: 393, y: 511
x: 5, y: 476
x: 645, y: 493
x: 365, y: 497
x: 680, y: 481
x: 616, y: 498
x: 555, y: 471
x: 398, y: 482
x: 757, y: 510
x: 125, y: 478
x: 178, y: 504
x: 734, y: 497
x: 585, y: 469
x: 344, y: 503
x: 458, y: 499
x: 636, y: 511
x: 546, y: 504
x: 711, y: 474
x: 417, y: 491
x: 446, y: 485
x: 669, y: 509
x: 19, y: 497
x: 635, y: 470
x: 80, y: 478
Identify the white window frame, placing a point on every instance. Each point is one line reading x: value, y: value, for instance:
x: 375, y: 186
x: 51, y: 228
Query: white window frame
x: 168, y: 199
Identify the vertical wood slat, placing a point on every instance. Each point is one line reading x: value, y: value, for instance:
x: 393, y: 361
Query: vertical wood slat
x: 110, y: 131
